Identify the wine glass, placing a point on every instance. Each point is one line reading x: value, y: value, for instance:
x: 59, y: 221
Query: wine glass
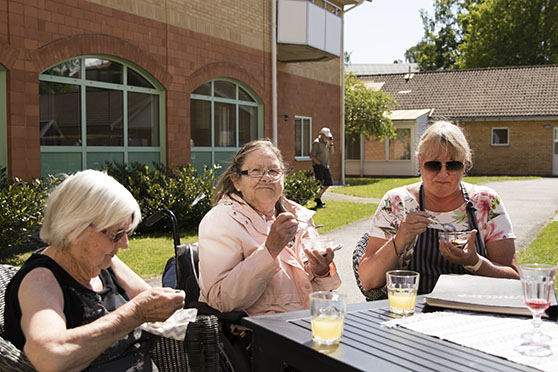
x: 537, y: 281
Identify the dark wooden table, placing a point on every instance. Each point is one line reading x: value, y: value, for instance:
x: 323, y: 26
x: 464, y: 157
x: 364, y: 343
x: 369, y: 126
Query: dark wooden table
x: 366, y: 346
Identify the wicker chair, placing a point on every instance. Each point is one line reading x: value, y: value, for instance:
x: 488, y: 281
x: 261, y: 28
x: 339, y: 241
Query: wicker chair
x: 198, y: 352
x: 358, y: 252
x: 11, y: 359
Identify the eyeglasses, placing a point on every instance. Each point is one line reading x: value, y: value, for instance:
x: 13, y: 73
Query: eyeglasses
x: 451, y: 166
x: 274, y: 173
x: 115, y: 237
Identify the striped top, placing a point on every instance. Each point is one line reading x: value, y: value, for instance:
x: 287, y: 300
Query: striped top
x: 490, y: 214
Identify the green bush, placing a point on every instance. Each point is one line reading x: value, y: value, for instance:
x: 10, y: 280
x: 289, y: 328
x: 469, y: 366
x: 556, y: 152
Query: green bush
x: 157, y: 187
x: 167, y: 187
x: 301, y: 186
x: 21, y: 210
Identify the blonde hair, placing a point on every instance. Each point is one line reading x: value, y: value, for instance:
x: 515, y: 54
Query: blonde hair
x: 442, y: 137
x: 85, y: 198
x: 225, y: 185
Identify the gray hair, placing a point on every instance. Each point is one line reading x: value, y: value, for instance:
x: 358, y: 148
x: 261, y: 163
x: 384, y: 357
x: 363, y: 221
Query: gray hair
x: 444, y: 136
x: 85, y: 198
x: 225, y: 185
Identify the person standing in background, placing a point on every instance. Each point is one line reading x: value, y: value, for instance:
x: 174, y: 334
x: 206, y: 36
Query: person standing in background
x: 321, y: 153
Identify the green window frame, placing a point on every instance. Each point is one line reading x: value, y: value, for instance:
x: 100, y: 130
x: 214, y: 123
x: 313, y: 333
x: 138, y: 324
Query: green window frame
x: 123, y: 104
x: 3, y: 121
x: 224, y: 115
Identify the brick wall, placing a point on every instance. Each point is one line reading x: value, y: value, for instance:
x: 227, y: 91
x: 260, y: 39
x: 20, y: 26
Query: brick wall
x: 34, y: 35
x: 241, y: 22
x: 246, y: 23
x: 318, y: 100
x: 529, y: 151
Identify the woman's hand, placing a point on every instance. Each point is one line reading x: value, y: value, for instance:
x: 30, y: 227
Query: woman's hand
x: 467, y: 256
x: 319, y: 263
x: 157, y: 304
x: 412, y: 224
x: 283, y: 229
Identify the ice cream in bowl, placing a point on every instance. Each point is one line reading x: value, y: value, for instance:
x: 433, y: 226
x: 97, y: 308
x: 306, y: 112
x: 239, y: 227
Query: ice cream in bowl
x: 457, y: 238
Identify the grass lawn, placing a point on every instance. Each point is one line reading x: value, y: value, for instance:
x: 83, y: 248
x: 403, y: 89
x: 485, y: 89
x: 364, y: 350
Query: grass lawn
x: 338, y: 214
x: 147, y: 256
x: 543, y: 249
x: 376, y: 187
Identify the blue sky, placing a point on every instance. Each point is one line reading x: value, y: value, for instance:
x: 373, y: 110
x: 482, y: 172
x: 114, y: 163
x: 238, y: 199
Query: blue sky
x: 381, y: 31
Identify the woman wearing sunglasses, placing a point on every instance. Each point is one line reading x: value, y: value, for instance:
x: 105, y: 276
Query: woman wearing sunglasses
x: 404, y: 232
x: 250, y: 242
x: 74, y: 305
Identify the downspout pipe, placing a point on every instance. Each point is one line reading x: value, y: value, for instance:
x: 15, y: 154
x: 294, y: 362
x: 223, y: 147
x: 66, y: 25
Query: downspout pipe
x: 342, y: 147
x: 274, y: 71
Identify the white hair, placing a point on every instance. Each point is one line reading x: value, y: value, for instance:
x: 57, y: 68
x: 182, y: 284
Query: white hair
x: 85, y: 198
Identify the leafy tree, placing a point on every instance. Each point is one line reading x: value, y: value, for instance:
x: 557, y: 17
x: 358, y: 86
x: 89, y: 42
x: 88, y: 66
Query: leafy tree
x: 438, y: 48
x: 347, y: 58
x: 511, y: 33
x: 487, y: 33
x: 364, y: 111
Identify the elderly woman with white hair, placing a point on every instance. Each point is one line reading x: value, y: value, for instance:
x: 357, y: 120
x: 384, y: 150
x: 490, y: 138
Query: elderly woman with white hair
x: 401, y: 235
x: 74, y: 305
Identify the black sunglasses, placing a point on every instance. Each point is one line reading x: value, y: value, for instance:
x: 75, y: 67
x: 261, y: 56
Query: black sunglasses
x: 451, y: 166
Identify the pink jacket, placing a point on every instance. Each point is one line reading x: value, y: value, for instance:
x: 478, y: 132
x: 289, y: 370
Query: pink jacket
x: 238, y: 273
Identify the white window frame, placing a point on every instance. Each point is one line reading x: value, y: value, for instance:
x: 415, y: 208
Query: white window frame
x: 308, y: 141
x: 492, y: 136
x: 388, y: 143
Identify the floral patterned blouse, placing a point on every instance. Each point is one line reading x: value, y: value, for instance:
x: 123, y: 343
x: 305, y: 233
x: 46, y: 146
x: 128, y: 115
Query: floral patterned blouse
x: 492, y: 218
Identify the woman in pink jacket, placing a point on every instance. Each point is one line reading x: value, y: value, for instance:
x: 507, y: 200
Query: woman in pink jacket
x: 251, y: 255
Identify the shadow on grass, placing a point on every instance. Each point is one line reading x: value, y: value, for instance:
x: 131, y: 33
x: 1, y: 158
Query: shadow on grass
x: 359, y: 181
x: 17, y: 255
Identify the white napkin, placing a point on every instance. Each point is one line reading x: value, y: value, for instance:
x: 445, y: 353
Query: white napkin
x: 174, y: 327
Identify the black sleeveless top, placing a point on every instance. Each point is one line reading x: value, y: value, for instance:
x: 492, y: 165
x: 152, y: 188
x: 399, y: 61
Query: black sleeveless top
x: 81, y: 306
x: 428, y: 260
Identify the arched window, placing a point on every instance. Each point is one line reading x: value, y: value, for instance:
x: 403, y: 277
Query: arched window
x: 97, y: 109
x: 3, y: 121
x: 224, y: 115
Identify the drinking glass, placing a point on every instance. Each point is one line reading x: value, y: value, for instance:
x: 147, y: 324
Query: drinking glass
x: 402, y: 286
x: 327, y: 310
x: 537, y: 281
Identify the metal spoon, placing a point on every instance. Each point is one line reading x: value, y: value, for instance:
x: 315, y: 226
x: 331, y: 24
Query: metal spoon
x: 435, y: 224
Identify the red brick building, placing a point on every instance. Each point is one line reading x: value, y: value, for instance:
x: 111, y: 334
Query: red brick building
x: 84, y: 81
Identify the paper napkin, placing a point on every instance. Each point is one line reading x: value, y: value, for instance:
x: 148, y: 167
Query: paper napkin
x: 174, y: 327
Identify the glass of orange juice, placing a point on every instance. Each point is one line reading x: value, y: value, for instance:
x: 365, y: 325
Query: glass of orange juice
x: 402, y: 286
x: 328, y: 311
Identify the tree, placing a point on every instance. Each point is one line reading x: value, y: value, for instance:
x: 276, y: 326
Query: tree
x: 347, y: 58
x: 438, y: 48
x: 511, y: 33
x: 365, y: 111
x: 487, y: 33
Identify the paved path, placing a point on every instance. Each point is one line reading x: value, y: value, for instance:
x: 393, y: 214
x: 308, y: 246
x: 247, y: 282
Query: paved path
x: 531, y: 204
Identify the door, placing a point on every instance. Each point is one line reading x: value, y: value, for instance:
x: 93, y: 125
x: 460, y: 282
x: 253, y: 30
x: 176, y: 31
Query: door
x: 555, y: 152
